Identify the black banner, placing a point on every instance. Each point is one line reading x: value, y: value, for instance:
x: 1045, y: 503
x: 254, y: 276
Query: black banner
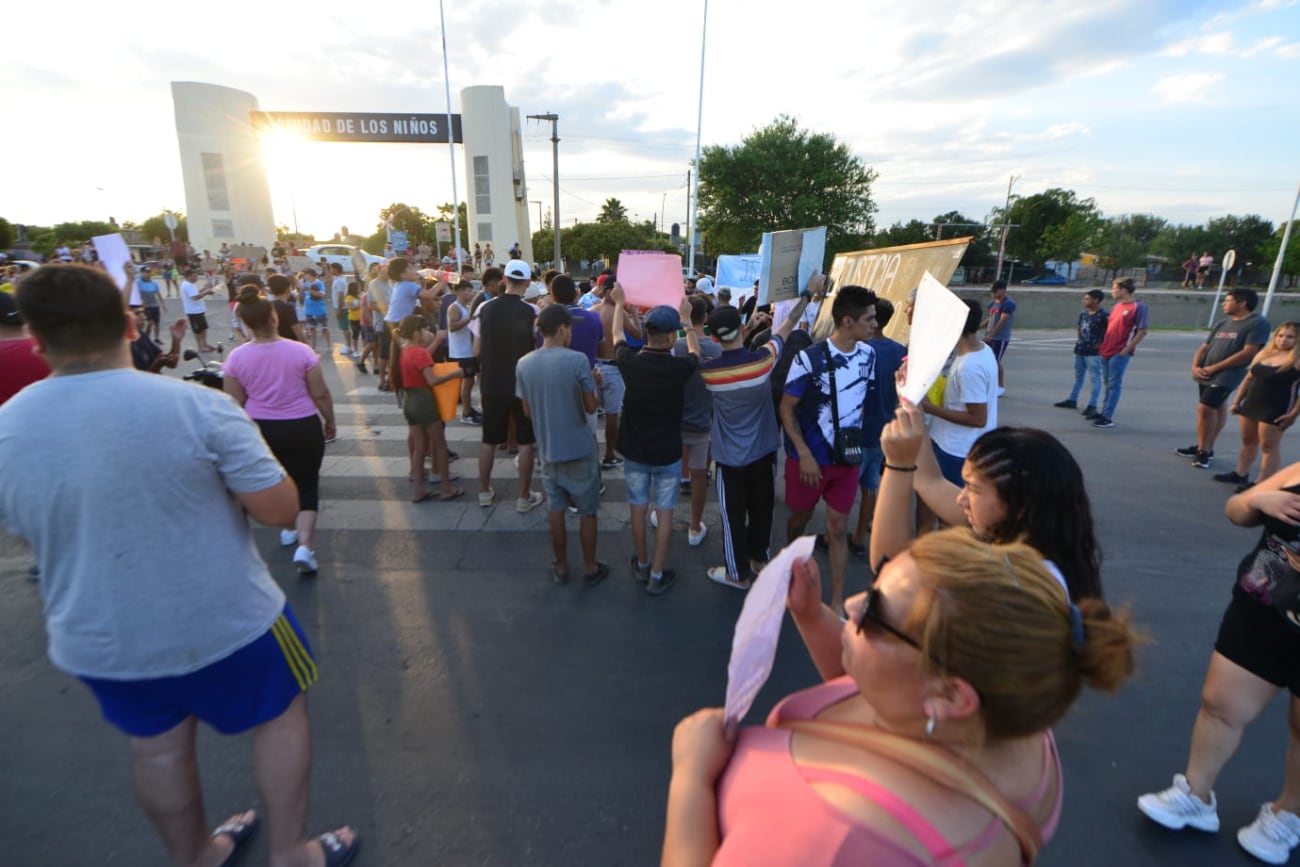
x: 359, y: 126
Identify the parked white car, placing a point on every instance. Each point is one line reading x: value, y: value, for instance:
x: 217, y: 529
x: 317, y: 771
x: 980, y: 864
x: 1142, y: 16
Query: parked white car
x: 342, y: 255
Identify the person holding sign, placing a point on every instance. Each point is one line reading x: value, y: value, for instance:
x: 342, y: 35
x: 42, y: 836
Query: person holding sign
x: 821, y: 411
x: 970, y: 399
x: 929, y: 741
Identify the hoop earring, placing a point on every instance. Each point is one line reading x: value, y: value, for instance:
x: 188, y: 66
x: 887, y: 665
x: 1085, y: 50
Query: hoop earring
x: 930, y: 723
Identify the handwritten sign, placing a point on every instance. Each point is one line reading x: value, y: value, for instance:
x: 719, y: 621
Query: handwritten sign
x: 650, y: 279
x: 739, y: 272
x: 753, y: 647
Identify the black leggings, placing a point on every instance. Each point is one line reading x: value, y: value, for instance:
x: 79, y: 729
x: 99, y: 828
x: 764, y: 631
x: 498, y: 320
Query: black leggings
x: 299, y: 445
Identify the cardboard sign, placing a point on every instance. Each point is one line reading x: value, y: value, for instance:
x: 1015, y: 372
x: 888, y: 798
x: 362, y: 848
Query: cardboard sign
x: 788, y: 261
x: 650, y: 279
x: 892, y: 272
x: 300, y: 263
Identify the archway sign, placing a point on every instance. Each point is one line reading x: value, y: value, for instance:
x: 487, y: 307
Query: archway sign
x: 351, y: 126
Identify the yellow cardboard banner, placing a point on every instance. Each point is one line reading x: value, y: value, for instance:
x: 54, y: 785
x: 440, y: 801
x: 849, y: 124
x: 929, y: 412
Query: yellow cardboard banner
x: 891, y: 272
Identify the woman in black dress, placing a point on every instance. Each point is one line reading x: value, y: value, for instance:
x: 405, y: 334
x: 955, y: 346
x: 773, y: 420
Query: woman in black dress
x: 1267, y: 405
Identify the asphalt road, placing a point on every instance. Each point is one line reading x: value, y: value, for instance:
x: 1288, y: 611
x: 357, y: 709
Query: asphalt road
x: 470, y: 712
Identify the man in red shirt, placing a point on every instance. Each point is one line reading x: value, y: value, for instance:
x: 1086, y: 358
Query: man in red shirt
x: 20, y: 366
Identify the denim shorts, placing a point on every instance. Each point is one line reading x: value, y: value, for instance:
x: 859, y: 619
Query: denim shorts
x: 872, y: 461
x: 578, y: 480
x: 611, y: 387
x: 644, y: 480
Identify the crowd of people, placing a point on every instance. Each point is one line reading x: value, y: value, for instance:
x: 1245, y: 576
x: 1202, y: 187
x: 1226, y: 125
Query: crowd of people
x: 930, y: 737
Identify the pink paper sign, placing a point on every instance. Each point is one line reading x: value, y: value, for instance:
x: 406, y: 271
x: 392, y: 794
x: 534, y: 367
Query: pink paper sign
x: 650, y: 279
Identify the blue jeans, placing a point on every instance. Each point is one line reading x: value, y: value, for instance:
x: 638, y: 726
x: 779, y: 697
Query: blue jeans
x: 1084, y: 365
x: 1114, y: 368
x: 651, y: 486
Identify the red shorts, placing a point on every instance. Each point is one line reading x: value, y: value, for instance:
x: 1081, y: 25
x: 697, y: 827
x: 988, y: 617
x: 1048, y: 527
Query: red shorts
x: 839, y: 488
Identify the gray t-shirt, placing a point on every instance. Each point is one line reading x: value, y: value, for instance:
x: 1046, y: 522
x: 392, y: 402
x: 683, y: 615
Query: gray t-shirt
x: 697, y: 410
x: 148, y: 568
x: 1227, y: 338
x: 552, y: 381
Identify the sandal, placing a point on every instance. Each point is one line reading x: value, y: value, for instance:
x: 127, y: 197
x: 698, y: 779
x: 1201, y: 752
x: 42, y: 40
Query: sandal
x: 338, y: 853
x: 451, y: 495
x: 239, y: 834
x: 420, y: 499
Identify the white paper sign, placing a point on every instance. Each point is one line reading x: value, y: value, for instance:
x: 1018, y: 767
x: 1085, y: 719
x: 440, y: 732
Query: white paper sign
x: 788, y: 260
x: 113, y: 254
x: 781, y: 310
x: 753, y: 647
x: 937, y: 323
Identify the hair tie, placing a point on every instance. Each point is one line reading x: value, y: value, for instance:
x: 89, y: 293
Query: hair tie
x: 1077, y: 634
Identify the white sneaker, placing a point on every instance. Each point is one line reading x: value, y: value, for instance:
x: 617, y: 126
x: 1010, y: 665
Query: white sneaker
x: 654, y: 519
x: 288, y: 537
x: 527, y: 504
x: 305, y: 559
x: 718, y: 575
x: 343, y: 350
x: 1176, y: 808
x: 695, y: 538
x: 1272, y: 836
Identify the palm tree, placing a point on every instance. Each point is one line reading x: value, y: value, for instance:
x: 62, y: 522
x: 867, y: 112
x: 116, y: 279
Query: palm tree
x: 612, y: 212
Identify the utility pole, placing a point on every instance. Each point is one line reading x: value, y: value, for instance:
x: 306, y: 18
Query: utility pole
x: 555, y: 176
x: 1002, y: 246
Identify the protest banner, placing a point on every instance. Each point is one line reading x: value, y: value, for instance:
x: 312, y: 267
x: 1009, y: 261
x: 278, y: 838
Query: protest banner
x: 650, y: 279
x: 788, y: 261
x: 300, y: 263
x: 891, y: 272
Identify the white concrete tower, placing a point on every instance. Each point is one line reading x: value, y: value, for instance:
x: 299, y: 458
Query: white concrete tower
x: 227, y: 198
x: 496, y: 191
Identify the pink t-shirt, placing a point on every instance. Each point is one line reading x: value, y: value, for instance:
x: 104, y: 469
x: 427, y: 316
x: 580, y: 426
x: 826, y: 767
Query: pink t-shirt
x: 274, y: 375
x: 769, y: 813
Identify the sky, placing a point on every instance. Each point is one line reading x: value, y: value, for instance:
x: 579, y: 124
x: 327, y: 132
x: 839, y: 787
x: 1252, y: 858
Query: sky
x: 1188, y: 110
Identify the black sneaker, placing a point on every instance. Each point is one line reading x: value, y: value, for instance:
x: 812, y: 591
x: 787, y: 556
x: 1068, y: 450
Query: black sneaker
x: 1231, y: 478
x: 1102, y: 421
x: 1241, y: 489
x: 1201, y: 461
x: 1066, y: 404
x: 1090, y: 413
x: 662, y: 584
x: 1189, y: 452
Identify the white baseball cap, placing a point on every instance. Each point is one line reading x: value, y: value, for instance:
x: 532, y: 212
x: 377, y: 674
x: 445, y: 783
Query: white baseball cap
x: 517, y: 270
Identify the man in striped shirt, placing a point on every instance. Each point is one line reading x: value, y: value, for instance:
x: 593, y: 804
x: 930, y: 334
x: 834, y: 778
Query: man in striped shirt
x: 745, y: 439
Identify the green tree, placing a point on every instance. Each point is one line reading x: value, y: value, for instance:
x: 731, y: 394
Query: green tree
x: 1126, y: 241
x: 1033, y: 216
x: 156, y: 227
x: 911, y: 232
x: 610, y: 212
x: 417, y: 225
x: 604, y: 240
x: 1176, y: 243
x: 979, y: 252
x: 1245, y: 234
x: 784, y: 177
x: 7, y: 234
x: 1267, y: 255
x: 462, y: 217
x: 1064, y: 242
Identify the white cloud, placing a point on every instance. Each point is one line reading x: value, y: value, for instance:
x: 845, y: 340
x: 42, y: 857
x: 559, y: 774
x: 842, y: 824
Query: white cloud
x: 1212, y: 44
x: 1187, y: 87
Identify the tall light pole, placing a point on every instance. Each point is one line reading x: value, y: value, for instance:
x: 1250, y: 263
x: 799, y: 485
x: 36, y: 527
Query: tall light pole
x: 1006, y: 217
x: 699, y: 122
x: 555, y: 176
x: 1281, y: 254
x: 451, y: 139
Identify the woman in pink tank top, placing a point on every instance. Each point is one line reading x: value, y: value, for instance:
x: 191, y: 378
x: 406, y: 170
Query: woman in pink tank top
x: 929, y: 741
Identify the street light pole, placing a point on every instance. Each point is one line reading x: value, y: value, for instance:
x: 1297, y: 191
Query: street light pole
x: 1281, y: 254
x: 555, y: 177
x: 693, y: 211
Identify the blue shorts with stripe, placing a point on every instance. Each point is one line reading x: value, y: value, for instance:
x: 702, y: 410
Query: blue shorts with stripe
x: 251, y: 686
